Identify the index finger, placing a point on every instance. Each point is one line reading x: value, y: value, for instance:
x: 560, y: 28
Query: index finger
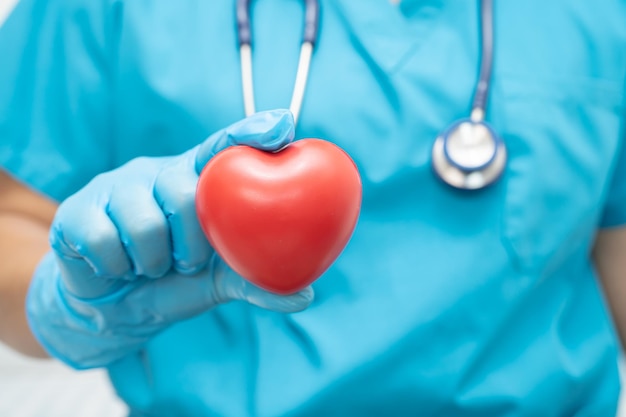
x: 268, y: 131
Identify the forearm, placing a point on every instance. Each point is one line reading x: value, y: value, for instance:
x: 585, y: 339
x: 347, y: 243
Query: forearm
x: 25, y: 218
x: 610, y: 258
x: 23, y: 241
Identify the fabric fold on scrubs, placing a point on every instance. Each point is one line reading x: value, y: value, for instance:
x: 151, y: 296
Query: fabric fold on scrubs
x: 614, y: 214
x: 55, y: 116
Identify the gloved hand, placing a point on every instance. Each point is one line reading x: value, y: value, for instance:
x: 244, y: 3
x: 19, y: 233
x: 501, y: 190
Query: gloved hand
x: 129, y: 257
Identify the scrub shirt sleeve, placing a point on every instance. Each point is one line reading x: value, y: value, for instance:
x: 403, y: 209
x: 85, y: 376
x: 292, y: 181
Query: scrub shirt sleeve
x: 56, y: 76
x: 614, y: 214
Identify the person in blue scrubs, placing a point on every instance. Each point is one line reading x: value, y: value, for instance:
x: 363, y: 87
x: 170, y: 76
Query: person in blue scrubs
x: 444, y: 302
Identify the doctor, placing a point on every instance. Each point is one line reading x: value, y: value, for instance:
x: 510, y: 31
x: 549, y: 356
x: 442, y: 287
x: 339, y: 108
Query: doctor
x: 494, y: 172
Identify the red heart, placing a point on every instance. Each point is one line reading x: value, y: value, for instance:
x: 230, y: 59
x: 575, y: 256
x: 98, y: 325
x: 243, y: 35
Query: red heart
x: 280, y: 219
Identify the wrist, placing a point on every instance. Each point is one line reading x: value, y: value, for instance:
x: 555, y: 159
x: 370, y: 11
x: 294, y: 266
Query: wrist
x: 82, y: 333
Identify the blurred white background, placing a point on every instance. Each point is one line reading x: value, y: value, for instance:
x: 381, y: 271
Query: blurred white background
x: 45, y: 388
x: 30, y: 388
x: 5, y: 6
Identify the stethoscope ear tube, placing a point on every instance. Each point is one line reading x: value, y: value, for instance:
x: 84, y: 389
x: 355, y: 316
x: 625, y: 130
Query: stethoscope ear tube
x: 311, y: 21
x: 302, y: 75
x: 244, y: 33
x: 309, y: 39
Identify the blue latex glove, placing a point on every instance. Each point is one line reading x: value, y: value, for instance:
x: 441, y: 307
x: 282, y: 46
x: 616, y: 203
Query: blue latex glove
x: 129, y: 257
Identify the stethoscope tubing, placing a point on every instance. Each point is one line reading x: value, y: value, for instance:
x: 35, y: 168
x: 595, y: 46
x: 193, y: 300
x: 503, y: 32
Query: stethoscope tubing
x: 309, y: 39
x: 481, y: 93
x: 465, y: 177
x: 449, y: 170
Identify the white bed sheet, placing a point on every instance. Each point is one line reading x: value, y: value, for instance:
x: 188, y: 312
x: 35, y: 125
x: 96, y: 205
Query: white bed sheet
x: 45, y: 388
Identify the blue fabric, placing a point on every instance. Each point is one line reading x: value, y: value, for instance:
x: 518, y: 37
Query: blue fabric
x: 444, y: 303
x: 614, y: 211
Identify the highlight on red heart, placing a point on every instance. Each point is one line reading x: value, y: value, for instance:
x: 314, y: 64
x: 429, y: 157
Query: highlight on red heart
x: 280, y: 219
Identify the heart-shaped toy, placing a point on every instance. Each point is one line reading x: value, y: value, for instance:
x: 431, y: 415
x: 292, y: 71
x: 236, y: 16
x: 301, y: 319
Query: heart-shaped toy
x: 280, y: 219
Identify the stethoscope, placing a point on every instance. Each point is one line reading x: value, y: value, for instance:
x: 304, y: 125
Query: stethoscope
x: 468, y: 155
x: 309, y: 37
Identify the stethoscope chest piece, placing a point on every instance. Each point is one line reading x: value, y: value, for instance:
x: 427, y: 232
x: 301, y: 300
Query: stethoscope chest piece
x: 469, y: 155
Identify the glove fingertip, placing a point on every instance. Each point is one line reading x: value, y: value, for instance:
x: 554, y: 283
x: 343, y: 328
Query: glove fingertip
x: 268, y: 130
x: 281, y: 133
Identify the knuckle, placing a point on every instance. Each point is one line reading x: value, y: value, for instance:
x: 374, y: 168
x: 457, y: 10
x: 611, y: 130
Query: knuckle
x: 179, y: 200
x: 159, y: 268
x: 94, y: 238
x: 155, y: 267
x: 148, y: 239
x: 175, y: 184
x: 140, y: 163
x: 56, y: 239
x: 147, y: 229
x: 78, y: 229
x: 190, y: 261
x: 187, y: 266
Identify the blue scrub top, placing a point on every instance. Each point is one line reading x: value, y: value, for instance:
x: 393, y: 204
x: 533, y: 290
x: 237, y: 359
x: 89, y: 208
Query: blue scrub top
x: 445, y: 303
